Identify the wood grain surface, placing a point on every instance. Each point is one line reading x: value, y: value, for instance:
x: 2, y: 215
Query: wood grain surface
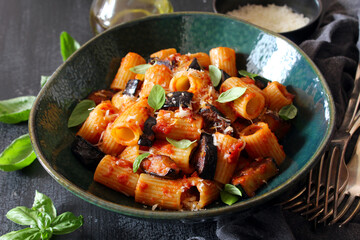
x: 29, y: 48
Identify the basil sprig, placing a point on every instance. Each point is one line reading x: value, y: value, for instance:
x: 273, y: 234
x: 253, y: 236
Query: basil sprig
x: 81, y: 112
x: 16, y: 110
x: 215, y: 75
x: 247, y: 74
x: 140, y: 69
x: 44, y: 80
x: 156, y: 97
x: 230, y: 194
x: 182, y: 144
x: 231, y: 94
x: 138, y: 161
x: 17, y: 155
x: 288, y: 112
x: 68, y: 45
x: 43, y: 220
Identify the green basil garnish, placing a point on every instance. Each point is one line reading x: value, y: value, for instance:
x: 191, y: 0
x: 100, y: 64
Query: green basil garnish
x: 44, y: 80
x: 140, y: 69
x: 156, y: 97
x: 182, y: 144
x: 81, y: 112
x: 247, y: 74
x: 68, y: 45
x: 232, y: 190
x: 231, y: 94
x: 230, y: 194
x: 215, y: 75
x: 288, y: 112
x: 138, y: 161
x: 16, y: 110
x: 42, y: 220
x: 17, y: 155
x: 228, y: 198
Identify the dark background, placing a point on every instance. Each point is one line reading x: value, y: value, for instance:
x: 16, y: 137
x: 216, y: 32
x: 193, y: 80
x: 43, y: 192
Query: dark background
x: 29, y: 48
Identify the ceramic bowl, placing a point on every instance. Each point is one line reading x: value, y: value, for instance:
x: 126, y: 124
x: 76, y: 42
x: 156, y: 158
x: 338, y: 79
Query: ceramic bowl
x: 309, y: 8
x: 95, y: 64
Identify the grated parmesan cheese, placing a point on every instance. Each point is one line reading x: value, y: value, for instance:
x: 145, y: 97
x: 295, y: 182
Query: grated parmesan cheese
x: 272, y: 17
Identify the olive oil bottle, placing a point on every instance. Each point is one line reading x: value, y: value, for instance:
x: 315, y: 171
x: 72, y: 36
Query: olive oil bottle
x: 108, y: 13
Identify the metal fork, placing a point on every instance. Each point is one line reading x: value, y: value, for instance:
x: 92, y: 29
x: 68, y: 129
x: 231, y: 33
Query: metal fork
x: 327, y: 181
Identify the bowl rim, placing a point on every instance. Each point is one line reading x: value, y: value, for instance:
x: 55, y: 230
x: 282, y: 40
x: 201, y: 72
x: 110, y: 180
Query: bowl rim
x: 213, y: 213
x: 317, y: 16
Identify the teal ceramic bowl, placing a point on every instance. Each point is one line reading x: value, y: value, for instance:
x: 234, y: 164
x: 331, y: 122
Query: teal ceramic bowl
x: 94, y: 65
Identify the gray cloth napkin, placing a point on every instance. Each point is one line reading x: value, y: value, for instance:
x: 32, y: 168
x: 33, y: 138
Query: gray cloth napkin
x: 334, y: 48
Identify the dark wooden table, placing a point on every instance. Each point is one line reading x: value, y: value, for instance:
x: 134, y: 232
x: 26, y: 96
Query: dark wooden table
x: 29, y: 48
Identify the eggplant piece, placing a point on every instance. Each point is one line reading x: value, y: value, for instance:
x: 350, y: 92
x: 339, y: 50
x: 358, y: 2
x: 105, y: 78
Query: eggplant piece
x: 132, y: 86
x: 261, y: 82
x: 160, y: 166
x: 215, y: 121
x: 101, y: 95
x: 167, y: 63
x: 88, y: 154
x: 205, y: 157
x: 277, y: 125
x: 177, y: 99
x: 255, y: 175
x: 195, y: 65
x: 148, y: 136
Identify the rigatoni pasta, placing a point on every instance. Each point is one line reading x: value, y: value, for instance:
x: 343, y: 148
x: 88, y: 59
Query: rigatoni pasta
x: 177, y: 145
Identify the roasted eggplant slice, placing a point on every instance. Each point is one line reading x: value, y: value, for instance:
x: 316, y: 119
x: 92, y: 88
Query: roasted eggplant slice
x: 205, y: 157
x: 195, y: 65
x: 88, y: 154
x: 148, y: 136
x: 160, y: 166
x: 101, y: 95
x: 277, y: 125
x: 214, y: 121
x: 132, y: 86
x: 261, y: 82
x: 177, y: 99
x: 255, y: 175
x: 168, y: 63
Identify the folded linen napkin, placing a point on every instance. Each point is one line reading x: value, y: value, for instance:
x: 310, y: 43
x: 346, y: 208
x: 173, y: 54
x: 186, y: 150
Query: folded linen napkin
x: 334, y: 48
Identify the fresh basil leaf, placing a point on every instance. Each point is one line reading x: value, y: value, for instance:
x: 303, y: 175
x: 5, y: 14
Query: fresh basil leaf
x: 288, y: 112
x: 228, y: 198
x: 247, y: 74
x: 16, y: 110
x: 182, y: 144
x: 138, y: 161
x: 156, y: 97
x: 68, y: 45
x: 232, y: 190
x: 81, y: 112
x: 23, y: 234
x: 215, y: 75
x: 23, y: 216
x: 44, y: 80
x: 46, y: 234
x: 140, y: 69
x: 17, y: 155
x: 231, y: 94
x: 66, y: 223
x: 44, y: 204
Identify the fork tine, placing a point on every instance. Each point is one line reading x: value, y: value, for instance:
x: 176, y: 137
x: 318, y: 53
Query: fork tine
x: 349, y: 202
x: 348, y: 219
x: 334, y: 152
x: 326, y: 216
x: 293, y: 197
